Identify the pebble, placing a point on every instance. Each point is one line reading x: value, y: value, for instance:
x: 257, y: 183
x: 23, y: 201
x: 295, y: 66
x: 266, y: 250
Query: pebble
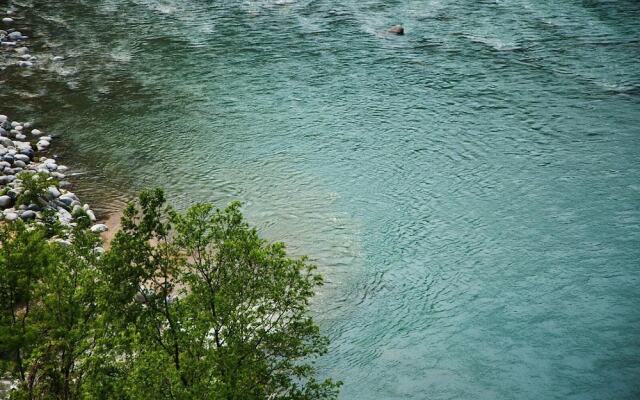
x: 7, y: 20
x: 58, y: 58
x: 15, y: 35
x: 26, y: 64
x: 36, y: 132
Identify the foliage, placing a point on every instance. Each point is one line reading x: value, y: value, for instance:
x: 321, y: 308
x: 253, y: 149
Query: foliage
x: 47, y: 310
x: 190, y: 305
x: 35, y: 187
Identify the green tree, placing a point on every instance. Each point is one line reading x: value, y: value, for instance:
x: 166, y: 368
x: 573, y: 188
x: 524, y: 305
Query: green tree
x: 223, y: 313
x: 190, y: 305
x: 48, y: 311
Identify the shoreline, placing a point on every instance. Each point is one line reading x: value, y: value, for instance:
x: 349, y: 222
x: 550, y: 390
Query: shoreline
x: 26, y: 160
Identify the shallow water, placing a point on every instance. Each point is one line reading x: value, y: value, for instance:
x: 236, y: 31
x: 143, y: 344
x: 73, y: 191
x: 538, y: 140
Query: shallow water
x: 471, y: 190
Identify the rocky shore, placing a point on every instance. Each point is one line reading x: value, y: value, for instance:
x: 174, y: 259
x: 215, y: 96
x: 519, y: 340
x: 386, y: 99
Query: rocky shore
x: 33, y: 185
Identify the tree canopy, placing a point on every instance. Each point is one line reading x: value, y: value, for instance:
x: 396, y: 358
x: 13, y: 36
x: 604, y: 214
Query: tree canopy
x: 192, y: 305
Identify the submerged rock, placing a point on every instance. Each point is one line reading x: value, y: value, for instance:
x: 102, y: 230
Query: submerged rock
x: 396, y: 30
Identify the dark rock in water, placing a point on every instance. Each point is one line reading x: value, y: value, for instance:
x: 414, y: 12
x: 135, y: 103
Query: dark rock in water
x: 396, y: 30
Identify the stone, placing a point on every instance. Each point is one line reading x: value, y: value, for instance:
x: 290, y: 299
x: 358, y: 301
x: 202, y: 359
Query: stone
x: 27, y: 152
x: 99, y: 228
x: 28, y: 215
x: 3, y: 118
x: 64, y: 216
x: 62, y: 168
x: 62, y: 242
x: 6, y: 142
x: 36, y: 132
x: 15, y: 35
x: 19, y: 164
x: 8, y: 44
x: 11, y: 216
x: 396, y: 30
x: 92, y: 216
x: 66, y: 199
x: 34, y: 207
x: 77, y: 211
x: 58, y: 175
x: 6, y: 179
x: 58, y: 58
x: 22, y: 157
x: 53, y: 192
x: 5, y: 201
x: 26, y: 64
x: 20, y: 136
x: 19, y: 128
x: 7, y: 20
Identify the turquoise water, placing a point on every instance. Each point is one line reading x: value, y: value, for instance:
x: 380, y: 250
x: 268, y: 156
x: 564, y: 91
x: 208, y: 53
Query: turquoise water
x: 471, y: 190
